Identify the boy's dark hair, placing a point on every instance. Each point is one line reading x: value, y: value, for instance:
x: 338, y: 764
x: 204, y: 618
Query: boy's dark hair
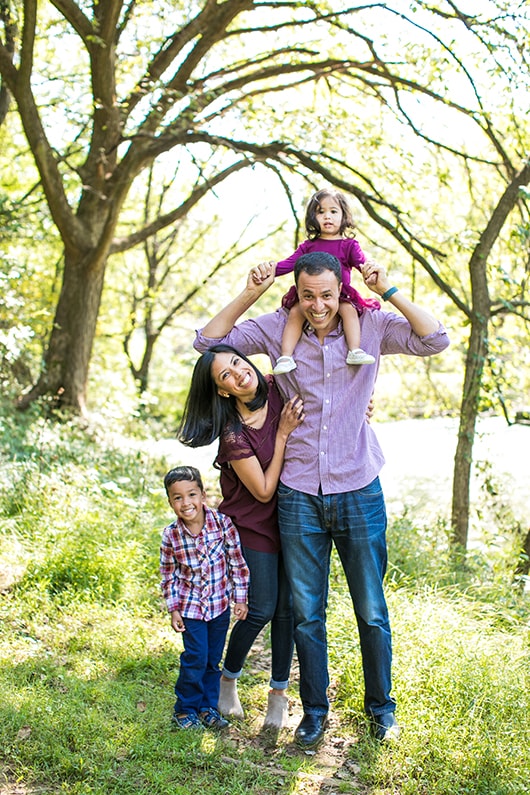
x: 182, y: 473
x: 206, y: 413
x: 312, y: 226
x: 316, y: 262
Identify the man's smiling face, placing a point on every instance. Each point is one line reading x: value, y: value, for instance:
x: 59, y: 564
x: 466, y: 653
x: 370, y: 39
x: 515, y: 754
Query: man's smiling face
x: 319, y: 300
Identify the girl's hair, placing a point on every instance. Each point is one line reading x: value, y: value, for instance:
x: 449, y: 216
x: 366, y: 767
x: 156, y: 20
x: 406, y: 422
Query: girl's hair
x: 311, y: 224
x: 182, y: 473
x: 206, y: 413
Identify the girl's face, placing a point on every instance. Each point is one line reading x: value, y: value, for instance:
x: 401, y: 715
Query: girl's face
x: 234, y: 376
x: 329, y: 218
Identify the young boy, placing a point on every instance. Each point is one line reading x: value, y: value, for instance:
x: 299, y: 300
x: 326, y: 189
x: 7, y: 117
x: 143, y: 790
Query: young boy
x: 202, y: 569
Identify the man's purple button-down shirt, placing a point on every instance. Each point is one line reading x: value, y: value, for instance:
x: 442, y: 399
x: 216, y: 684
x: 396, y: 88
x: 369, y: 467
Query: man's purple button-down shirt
x: 335, y: 449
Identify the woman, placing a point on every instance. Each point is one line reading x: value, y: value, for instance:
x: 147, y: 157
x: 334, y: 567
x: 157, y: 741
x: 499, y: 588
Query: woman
x: 230, y: 400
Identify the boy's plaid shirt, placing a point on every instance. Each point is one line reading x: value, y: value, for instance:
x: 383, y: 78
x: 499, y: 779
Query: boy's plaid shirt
x: 201, y: 574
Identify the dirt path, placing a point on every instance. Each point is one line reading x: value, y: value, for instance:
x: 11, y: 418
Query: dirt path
x: 333, y: 771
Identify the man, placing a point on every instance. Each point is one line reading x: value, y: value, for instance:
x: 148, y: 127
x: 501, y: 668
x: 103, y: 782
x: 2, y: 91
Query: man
x: 329, y: 490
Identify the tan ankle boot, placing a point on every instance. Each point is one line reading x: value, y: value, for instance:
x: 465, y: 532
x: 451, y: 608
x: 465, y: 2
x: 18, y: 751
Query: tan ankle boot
x: 229, y: 703
x: 277, y: 711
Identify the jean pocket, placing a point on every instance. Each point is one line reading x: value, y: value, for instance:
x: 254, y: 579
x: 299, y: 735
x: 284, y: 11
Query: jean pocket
x: 373, y: 489
x: 285, y: 491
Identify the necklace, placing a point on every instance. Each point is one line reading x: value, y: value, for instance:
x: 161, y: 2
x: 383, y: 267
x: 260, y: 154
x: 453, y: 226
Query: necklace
x: 256, y: 418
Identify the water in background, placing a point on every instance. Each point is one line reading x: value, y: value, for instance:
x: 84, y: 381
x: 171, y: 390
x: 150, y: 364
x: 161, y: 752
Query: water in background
x: 419, y: 463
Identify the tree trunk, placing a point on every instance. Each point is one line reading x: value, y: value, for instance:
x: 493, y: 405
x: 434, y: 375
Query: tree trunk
x: 475, y: 360
x: 141, y: 373
x: 476, y: 356
x: 64, y: 375
x: 523, y: 567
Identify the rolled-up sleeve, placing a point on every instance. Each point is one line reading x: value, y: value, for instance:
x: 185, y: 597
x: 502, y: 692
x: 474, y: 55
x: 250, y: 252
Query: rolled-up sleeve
x: 262, y: 335
x: 398, y: 337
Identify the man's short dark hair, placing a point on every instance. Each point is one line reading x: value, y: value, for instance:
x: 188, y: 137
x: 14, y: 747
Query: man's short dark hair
x: 317, y: 262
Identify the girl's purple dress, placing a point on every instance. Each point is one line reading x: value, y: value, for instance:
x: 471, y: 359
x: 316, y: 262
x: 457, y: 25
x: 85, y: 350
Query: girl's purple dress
x: 350, y: 255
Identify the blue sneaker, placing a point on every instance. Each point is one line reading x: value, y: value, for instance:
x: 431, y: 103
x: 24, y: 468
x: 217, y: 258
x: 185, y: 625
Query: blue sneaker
x: 186, y: 720
x: 212, y: 719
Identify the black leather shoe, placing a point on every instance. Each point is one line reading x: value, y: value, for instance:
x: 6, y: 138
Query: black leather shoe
x: 385, y: 727
x: 310, y: 730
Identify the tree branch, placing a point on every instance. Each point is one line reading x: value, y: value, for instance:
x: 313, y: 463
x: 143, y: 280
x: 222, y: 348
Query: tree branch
x: 163, y: 221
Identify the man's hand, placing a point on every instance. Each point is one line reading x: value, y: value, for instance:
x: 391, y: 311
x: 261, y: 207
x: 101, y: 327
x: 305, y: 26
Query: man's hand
x: 375, y: 277
x: 258, y: 281
x: 262, y: 274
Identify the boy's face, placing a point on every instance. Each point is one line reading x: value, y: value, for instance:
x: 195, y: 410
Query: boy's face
x: 186, y: 499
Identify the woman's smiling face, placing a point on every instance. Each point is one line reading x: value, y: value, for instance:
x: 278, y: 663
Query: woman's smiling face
x: 234, y: 376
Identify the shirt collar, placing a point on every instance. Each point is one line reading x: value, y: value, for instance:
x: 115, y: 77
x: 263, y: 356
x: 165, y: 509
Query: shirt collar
x: 336, y: 332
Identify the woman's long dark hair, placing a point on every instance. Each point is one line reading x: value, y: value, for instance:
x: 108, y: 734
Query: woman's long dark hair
x: 206, y: 413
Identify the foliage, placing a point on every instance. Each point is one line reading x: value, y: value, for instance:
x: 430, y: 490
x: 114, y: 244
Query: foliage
x: 416, y: 110
x: 88, y: 660
x: 461, y: 683
x: 145, y: 116
x: 28, y: 255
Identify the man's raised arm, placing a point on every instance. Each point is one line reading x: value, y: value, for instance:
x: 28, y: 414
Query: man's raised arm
x: 422, y: 322
x: 259, y: 280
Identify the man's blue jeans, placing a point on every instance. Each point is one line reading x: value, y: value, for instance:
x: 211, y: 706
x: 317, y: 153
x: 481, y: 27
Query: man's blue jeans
x: 269, y: 599
x: 356, y: 523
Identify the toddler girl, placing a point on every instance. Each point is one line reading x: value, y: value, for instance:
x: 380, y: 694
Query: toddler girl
x: 328, y: 221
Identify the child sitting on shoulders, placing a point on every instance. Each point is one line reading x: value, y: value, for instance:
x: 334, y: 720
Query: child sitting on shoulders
x: 328, y: 222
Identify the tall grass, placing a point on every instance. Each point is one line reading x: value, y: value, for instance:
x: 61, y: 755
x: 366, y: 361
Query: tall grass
x: 88, y: 660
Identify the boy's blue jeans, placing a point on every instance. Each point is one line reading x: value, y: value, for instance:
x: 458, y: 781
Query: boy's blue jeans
x: 197, y: 686
x: 356, y: 523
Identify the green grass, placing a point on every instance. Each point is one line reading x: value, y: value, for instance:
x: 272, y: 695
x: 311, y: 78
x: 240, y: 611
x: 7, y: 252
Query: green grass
x: 463, y: 685
x: 88, y: 660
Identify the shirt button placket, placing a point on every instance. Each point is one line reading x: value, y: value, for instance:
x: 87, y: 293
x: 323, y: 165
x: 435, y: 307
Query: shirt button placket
x: 326, y: 411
